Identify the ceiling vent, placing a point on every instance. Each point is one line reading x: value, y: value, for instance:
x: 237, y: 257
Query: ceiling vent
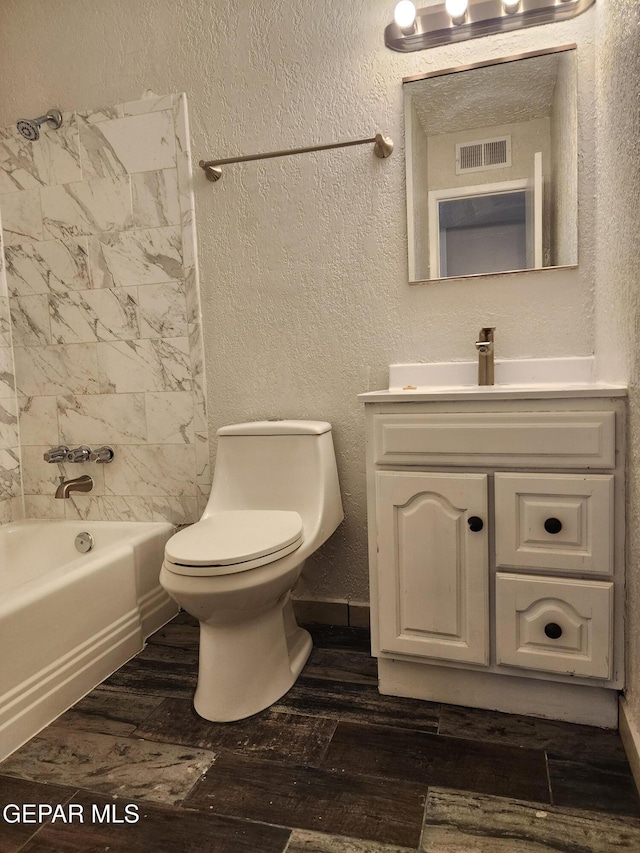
x: 483, y: 154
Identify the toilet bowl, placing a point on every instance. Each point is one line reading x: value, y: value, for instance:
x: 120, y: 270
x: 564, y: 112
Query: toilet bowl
x: 275, y: 499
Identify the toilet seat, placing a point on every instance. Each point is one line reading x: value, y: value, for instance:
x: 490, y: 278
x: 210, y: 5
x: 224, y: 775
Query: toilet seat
x: 224, y: 543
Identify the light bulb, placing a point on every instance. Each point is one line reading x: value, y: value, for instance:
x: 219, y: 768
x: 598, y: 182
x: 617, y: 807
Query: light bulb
x: 405, y: 16
x: 510, y: 6
x: 457, y: 9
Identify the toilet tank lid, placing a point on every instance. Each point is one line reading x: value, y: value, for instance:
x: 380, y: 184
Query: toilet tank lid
x: 277, y: 427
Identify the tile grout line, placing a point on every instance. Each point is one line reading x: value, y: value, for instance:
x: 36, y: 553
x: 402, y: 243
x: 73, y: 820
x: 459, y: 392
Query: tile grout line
x: 68, y: 800
x: 288, y: 844
x: 546, y: 766
x: 142, y: 722
x: 201, y: 778
x: 420, y: 845
x: 322, y: 757
x: 250, y: 820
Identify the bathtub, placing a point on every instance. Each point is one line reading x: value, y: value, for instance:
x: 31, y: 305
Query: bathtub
x: 70, y: 619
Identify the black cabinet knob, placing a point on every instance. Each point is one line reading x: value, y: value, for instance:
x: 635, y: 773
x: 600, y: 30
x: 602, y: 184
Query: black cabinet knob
x: 553, y: 630
x: 553, y: 525
x: 475, y: 523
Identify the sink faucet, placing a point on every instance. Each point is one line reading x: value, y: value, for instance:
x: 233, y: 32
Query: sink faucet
x: 78, y: 484
x: 485, y: 355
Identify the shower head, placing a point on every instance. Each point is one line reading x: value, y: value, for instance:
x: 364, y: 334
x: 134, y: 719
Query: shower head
x: 30, y: 128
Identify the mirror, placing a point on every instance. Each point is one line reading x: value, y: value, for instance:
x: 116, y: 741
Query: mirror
x: 492, y: 167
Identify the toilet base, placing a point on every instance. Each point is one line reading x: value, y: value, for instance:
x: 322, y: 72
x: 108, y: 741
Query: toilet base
x: 248, y: 661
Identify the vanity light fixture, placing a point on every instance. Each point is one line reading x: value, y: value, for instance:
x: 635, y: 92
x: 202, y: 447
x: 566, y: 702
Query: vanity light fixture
x: 405, y: 16
x: 458, y: 20
x: 510, y: 6
x: 457, y: 9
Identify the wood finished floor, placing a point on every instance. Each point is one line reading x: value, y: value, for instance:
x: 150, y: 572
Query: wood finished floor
x: 333, y: 767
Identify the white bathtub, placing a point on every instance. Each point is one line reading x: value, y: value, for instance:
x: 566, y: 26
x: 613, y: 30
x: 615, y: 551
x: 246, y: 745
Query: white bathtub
x: 68, y: 620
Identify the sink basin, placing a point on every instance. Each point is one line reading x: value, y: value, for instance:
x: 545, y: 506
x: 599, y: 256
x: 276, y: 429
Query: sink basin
x: 515, y: 372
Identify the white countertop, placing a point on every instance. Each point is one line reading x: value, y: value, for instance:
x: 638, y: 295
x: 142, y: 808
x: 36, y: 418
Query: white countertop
x: 524, y: 378
x: 493, y: 392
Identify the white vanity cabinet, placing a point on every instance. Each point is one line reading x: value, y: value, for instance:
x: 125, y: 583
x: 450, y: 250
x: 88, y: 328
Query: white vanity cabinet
x: 496, y: 534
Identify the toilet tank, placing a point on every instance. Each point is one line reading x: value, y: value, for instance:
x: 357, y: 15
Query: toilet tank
x: 285, y: 464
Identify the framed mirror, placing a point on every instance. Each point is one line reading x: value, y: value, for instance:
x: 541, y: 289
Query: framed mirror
x: 492, y: 166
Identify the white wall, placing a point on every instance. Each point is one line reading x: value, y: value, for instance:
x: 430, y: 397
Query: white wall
x: 617, y: 302
x: 303, y: 260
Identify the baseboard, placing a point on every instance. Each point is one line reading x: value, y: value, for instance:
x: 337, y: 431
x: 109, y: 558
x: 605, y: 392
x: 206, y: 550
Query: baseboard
x: 359, y: 615
x: 630, y: 739
x: 331, y: 612
x: 573, y: 703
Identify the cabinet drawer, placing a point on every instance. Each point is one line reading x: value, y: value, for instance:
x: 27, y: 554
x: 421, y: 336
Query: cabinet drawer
x: 555, y: 521
x: 532, y: 439
x: 555, y: 625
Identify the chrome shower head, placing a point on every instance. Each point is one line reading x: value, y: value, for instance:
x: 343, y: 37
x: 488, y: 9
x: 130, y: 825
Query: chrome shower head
x: 30, y: 128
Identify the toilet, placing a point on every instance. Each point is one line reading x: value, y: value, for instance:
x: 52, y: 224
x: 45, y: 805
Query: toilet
x: 275, y: 499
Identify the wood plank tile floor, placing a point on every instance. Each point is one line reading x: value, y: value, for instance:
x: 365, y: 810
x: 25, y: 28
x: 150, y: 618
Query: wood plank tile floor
x: 333, y: 767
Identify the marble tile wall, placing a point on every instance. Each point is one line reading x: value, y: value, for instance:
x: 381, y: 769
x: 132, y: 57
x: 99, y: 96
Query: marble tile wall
x: 102, y: 289
x: 10, y: 479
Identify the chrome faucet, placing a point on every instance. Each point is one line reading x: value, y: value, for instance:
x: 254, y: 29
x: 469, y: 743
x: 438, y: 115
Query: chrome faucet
x: 78, y: 484
x: 62, y: 453
x: 79, y: 454
x: 56, y: 454
x: 485, y: 355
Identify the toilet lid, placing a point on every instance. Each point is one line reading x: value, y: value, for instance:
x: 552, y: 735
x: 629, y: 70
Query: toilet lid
x: 227, y: 542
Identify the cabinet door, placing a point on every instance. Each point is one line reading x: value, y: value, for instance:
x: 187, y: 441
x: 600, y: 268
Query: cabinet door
x: 433, y: 565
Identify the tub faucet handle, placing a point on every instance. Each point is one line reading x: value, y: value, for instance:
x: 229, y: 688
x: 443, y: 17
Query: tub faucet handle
x: 79, y: 454
x: 102, y: 454
x: 56, y: 454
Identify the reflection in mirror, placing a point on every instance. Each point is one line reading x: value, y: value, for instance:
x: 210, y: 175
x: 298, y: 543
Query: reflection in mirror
x: 492, y: 167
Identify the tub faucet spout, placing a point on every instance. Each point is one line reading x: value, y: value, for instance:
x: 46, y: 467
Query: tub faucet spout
x: 78, y: 484
x: 485, y: 356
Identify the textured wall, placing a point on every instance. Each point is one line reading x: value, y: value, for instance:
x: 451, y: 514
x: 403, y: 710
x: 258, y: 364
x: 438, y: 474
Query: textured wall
x: 303, y: 260
x: 618, y: 266
x: 105, y: 314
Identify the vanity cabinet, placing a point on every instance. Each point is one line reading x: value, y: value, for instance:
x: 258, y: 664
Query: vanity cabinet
x: 496, y: 534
